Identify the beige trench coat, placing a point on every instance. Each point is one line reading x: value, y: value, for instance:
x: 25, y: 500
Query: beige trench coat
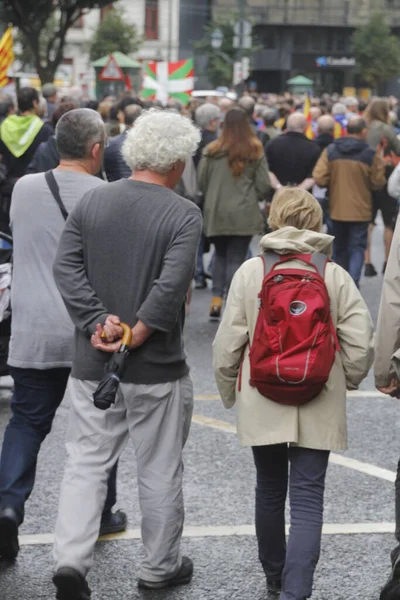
x: 320, y: 424
x: 387, y: 363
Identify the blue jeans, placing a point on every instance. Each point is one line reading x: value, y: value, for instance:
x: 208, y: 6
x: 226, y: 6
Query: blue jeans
x: 349, y: 247
x: 294, y: 564
x: 230, y: 254
x: 37, y: 395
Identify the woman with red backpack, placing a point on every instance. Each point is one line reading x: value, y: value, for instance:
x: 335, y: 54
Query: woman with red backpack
x: 295, y: 335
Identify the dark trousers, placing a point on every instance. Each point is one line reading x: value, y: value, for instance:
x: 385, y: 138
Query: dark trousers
x: 230, y: 254
x: 37, y: 395
x: 295, y: 563
x: 349, y: 247
x: 397, y: 502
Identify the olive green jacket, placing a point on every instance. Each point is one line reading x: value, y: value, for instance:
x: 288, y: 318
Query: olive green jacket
x: 231, y: 204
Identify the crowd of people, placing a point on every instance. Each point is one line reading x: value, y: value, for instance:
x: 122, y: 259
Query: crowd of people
x: 295, y: 333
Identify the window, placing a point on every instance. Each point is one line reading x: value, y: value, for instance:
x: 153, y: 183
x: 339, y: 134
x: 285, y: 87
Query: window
x: 79, y: 23
x: 269, y: 40
x: 342, y: 41
x: 328, y: 40
x: 151, y: 20
x: 266, y: 38
x: 301, y: 40
x: 316, y: 41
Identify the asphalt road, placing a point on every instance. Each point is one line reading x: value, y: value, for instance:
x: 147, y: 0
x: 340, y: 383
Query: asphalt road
x: 219, y: 492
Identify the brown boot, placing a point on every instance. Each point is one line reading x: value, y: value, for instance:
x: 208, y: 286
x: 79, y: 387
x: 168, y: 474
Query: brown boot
x: 215, y: 308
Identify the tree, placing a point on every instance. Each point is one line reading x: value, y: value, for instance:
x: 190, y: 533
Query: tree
x: 219, y: 67
x: 46, y: 41
x: 220, y: 61
x: 376, y: 50
x: 114, y: 34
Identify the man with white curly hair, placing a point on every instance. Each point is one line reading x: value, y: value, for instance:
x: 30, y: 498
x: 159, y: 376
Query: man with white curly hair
x: 127, y: 254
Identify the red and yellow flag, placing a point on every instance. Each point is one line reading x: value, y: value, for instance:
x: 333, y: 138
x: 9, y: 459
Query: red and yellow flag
x: 6, y: 56
x: 307, y: 106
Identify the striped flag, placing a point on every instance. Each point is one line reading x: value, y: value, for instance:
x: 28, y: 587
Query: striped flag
x: 164, y: 80
x: 6, y: 56
x: 307, y: 106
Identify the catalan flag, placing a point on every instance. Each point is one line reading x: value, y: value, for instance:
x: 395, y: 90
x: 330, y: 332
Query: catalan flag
x: 307, y: 113
x: 6, y: 56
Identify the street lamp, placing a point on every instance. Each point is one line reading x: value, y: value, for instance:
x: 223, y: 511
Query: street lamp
x: 217, y: 37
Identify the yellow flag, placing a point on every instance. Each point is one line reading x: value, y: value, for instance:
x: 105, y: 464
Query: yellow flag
x: 307, y: 108
x: 6, y: 56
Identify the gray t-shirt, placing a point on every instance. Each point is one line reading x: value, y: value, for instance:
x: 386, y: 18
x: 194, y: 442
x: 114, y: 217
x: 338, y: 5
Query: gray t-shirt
x: 41, y: 331
x: 129, y: 249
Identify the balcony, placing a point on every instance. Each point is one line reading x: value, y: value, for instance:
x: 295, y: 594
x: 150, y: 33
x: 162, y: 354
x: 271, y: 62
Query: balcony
x: 339, y: 13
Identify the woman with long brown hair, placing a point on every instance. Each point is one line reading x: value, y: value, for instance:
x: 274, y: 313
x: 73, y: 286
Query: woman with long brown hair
x: 382, y: 138
x: 233, y: 178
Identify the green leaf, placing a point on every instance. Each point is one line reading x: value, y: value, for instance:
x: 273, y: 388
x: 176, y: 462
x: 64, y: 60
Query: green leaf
x: 377, y: 51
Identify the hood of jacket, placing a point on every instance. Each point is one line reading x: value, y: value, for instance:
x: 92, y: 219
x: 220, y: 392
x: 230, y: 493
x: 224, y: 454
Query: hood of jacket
x: 290, y: 240
x: 18, y: 132
x: 324, y: 140
x: 350, y: 145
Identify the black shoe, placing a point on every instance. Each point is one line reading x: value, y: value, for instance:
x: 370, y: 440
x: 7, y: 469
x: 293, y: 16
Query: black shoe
x: 183, y: 577
x: 200, y: 284
x: 370, y: 271
x: 274, y: 589
x: 113, y: 523
x: 384, y: 268
x: 9, y: 546
x: 71, y: 585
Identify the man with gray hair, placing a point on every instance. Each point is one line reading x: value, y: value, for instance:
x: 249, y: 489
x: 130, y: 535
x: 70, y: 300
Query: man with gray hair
x: 114, y: 163
x: 40, y: 354
x: 339, y: 114
x: 127, y: 254
x: 49, y: 93
x: 248, y: 104
x: 207, y: 117
x: 269, y: 117
x: 225, y: 104
x: 352, y: 106
x: 291, y: 156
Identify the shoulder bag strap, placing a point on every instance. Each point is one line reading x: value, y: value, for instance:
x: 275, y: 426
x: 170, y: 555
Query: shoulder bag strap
x: 270, y: 259
x: 55, y: 190
x: 319, y: 261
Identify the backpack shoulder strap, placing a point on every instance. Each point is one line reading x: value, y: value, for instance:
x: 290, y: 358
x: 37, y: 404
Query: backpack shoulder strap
x: 319, y: 261
x: 55, y: 190
x: 270, y: 259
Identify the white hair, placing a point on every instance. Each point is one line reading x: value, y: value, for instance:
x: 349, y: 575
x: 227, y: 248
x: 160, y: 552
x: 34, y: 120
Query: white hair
x: 339, y: 109
x: 350, y: 101
x: 158, y: 140
x: 206, y: 113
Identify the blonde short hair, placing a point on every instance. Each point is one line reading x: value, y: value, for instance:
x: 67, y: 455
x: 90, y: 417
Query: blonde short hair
x: 294, y: 207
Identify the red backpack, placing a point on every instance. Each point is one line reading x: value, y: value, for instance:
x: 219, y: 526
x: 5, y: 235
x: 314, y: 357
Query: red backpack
x: 295, y: 341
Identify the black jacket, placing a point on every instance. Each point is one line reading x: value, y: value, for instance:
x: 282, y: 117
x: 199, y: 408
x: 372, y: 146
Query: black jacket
x: 45, y: 158
x: 324, y: 140
x: 114, y: 163
x: 206, y: 138
x: 292, y: 157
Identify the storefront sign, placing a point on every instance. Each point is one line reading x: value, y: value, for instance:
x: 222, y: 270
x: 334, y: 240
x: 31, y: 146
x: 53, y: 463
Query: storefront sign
x: 335, y: 61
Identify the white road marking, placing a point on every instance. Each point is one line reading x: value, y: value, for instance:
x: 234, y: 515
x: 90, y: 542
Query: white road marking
x: 337, y: 459
x: 353, y: 394
x: 223, y: 531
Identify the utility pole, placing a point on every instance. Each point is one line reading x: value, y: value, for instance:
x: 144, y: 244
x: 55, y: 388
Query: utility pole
x: 242, y: 6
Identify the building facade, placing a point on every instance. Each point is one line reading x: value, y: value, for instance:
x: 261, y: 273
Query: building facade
x: 157, y: 23
x: 307, y: 37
